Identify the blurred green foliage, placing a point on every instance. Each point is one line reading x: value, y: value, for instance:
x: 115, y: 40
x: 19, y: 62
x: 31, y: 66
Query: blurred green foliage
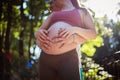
x: 19, y: 20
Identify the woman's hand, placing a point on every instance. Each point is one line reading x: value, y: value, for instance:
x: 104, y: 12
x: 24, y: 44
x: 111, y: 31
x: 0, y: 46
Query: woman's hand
x: 42, y: 39
x: 46, y: 44
x: 61, y: 41
x: 41, y: 34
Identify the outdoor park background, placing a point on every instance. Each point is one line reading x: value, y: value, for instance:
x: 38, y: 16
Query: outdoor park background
x: 19, y: 19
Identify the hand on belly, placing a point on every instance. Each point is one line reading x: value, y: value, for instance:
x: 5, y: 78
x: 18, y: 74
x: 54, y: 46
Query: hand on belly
x: 54, y: 29
x: 53, y: 32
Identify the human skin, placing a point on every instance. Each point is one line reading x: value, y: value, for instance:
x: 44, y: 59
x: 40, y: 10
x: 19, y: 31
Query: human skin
x: 60, y: 44
x: 80, y: 36
x: 73, y: 34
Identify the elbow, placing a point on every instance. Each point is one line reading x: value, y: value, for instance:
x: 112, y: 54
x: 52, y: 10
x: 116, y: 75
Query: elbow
x: 94, y: 35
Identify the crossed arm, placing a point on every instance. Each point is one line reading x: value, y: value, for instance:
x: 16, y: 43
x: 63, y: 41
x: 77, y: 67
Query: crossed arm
x: 68, y: 35
x: 60, y: 41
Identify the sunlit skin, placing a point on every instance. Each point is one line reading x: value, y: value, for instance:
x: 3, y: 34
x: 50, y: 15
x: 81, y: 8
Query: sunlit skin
x: 62, y: 37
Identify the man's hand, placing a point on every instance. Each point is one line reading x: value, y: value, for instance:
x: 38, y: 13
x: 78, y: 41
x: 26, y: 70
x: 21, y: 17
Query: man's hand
x: 61, y: 41
x: 66, y: 32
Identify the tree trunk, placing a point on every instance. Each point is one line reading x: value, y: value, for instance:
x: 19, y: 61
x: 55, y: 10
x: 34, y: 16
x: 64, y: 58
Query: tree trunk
x: 1, y: 67
x: 7, y: 65
x: 21, y: 46
x: 1, y: 29
x: 30, y: 38
x: 0, y: 10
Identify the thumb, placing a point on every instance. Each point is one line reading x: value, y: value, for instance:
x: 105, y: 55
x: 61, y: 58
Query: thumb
x: 45, y: 31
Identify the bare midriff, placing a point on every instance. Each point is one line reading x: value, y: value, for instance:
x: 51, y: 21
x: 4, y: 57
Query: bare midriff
x: 53, y: 31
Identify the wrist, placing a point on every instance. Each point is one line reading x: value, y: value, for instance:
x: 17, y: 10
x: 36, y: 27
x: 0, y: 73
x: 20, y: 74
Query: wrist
x: 74, y: 38
x: 75, y: 30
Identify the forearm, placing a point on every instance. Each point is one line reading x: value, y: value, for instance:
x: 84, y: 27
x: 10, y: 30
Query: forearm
x: 85, y: 33
x: 78, y: 39
x: 75, y: 38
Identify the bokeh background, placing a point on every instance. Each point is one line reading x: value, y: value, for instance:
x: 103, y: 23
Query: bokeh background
x: 19, y: 54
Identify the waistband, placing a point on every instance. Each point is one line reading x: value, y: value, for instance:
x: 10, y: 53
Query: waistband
x: 71, y: 52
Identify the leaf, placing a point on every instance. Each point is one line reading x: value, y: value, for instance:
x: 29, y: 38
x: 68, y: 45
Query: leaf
x: 89, y: 50
x: 26, y: 12
x: 16, y: 34
x: 89, y: 47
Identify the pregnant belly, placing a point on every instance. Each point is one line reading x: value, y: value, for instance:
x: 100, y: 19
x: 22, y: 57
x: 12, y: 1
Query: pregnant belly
x: 53, y: 32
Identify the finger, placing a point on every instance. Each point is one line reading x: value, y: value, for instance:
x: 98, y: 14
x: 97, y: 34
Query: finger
x: 35, y: 34
x: 62, y: 42
x: 41, y: 39
x: 38, y: 43
x: 49, y: 39
x: 61, y: 45
x: 48, y: 43
x: 43, y: 35
x: 39, y: 35
x: 57, y: 40
x: 65, y: 35
x: 45, y: 31
x: 60, y: 30
x: 63, y: 31
x: 54, y: 39
x: 45, y: 46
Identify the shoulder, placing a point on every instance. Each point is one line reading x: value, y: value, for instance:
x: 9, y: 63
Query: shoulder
x: 50, y: 15
x: 83, y: 11
x: 53, y: 14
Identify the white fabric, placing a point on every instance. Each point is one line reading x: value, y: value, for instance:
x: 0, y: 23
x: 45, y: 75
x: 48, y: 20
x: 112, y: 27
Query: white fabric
x: 79, y: 55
